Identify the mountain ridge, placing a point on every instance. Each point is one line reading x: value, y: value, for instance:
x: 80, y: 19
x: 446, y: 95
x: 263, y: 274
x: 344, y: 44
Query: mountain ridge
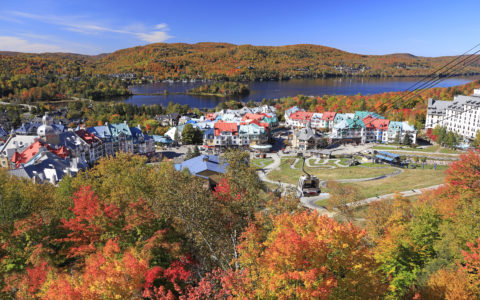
x: 225, y: 61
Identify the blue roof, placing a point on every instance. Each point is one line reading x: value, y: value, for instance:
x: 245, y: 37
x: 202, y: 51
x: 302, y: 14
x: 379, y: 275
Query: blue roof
x: 161, y: 139
x: 3, y: 132
x: 28, y: 127
x: 117, y: 129
x: 202, y: 163
x: 209, y: 133
x: 388, y: 154
x: 100, y: 131
x: 384, y: 157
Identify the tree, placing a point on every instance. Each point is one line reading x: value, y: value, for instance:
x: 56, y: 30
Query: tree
x: 476, y: 141
x: 397, y: 138
x: 407, y: 139
x: 340, y: 196
x: 449, y: 284
x: 196, y: 151
x: 305, y: 256
x: 189, y: 154
x: 191, y: 135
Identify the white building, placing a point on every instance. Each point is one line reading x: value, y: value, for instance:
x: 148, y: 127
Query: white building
x: 462, y: 115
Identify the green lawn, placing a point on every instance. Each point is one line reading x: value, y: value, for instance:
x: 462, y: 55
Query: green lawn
x: 257, y: 162
x: 407, y: 180
x: 429, y: 149
x: 451, y: 151
x: 287, y: 174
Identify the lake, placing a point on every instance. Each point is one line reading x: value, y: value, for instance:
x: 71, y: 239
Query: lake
x: 277, y: 89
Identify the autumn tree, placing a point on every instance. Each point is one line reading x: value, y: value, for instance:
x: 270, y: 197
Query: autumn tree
x: 305, y: 256
x: 341, y: 196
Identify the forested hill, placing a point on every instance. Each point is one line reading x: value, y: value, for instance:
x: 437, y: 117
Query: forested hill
x: 246, y: 62
x: 221, y: 61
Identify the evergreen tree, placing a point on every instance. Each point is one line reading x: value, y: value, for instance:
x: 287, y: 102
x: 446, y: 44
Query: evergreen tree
x: 397, y: 138
x: 407, y: 139
x: 189, y: 154
x: 196, y: 152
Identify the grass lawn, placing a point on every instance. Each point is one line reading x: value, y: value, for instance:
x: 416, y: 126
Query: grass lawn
x: 407, y: 180
x: 429, y: 149
x: 287, y: 174
x: 451, y: 151
x: 257, y: 162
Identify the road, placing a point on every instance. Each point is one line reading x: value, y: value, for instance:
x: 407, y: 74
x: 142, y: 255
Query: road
x: 24, y: 105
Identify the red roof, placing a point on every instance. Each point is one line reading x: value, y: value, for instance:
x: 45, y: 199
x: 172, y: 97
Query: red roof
x: 301, y: 115
x: 257, y: 117
x: 211, y: 116
x: 224, y: 126
x: 370, y: 123
x: 328, y: 115
x: 33, y: 149
x: 263, y: 124
x: 90, y: 138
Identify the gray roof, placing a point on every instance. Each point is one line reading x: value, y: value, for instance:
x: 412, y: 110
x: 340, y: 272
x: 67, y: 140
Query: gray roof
x: 306, y: 133
x: 437, y: 107
x: 20, y: 172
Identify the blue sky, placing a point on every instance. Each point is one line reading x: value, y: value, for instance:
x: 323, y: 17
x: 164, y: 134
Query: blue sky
x: 427, y: 28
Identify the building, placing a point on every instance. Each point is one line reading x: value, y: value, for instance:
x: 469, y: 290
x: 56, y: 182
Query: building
x: 387, y: 157
x: 376, y: 130
x: 397, y: 130
x: 46, y: 167
x: 306, y: 139
x: 95, y: 146
x: 461, y: 116
x: 357, y: 127
x: 32, y: 150
x: 169, y: 119
x: 329, y: 117
x: 348, y: 129
x: 15, y: 143
x: 121, y: 137
x: 103, y: 133
x: 77, y: 147
x: 252, y: 134
x: 436, y: 111
x: 143, y: 144
x: 226, y: 135
x: 209, y: 167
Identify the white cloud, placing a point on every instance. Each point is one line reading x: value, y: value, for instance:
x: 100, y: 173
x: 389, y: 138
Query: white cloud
x: 161, y: 26
x: 154, y: 37
x: 10, y: 43
x: 82, y: 25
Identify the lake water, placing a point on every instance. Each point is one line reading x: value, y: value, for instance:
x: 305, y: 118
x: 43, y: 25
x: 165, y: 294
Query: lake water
x: 277, y: 89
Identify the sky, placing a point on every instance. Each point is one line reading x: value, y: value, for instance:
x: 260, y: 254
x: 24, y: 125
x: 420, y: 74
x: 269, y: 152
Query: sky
x: 424, y: 28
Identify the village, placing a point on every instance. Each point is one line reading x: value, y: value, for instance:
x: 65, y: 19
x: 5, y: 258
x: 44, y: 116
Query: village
x: 44, y: 149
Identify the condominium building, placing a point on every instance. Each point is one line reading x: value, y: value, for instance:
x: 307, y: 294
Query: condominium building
x: 462, y: 115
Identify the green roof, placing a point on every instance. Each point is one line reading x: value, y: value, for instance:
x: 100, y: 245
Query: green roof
x: 117, y: 129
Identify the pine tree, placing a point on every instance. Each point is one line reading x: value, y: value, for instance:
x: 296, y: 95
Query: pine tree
x: 407, y: 139
x: 189, y: 154
x: 196, y: 152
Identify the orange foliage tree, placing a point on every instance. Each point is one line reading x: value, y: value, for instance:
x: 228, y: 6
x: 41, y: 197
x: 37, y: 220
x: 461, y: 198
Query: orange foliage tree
x: 305, y: 256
